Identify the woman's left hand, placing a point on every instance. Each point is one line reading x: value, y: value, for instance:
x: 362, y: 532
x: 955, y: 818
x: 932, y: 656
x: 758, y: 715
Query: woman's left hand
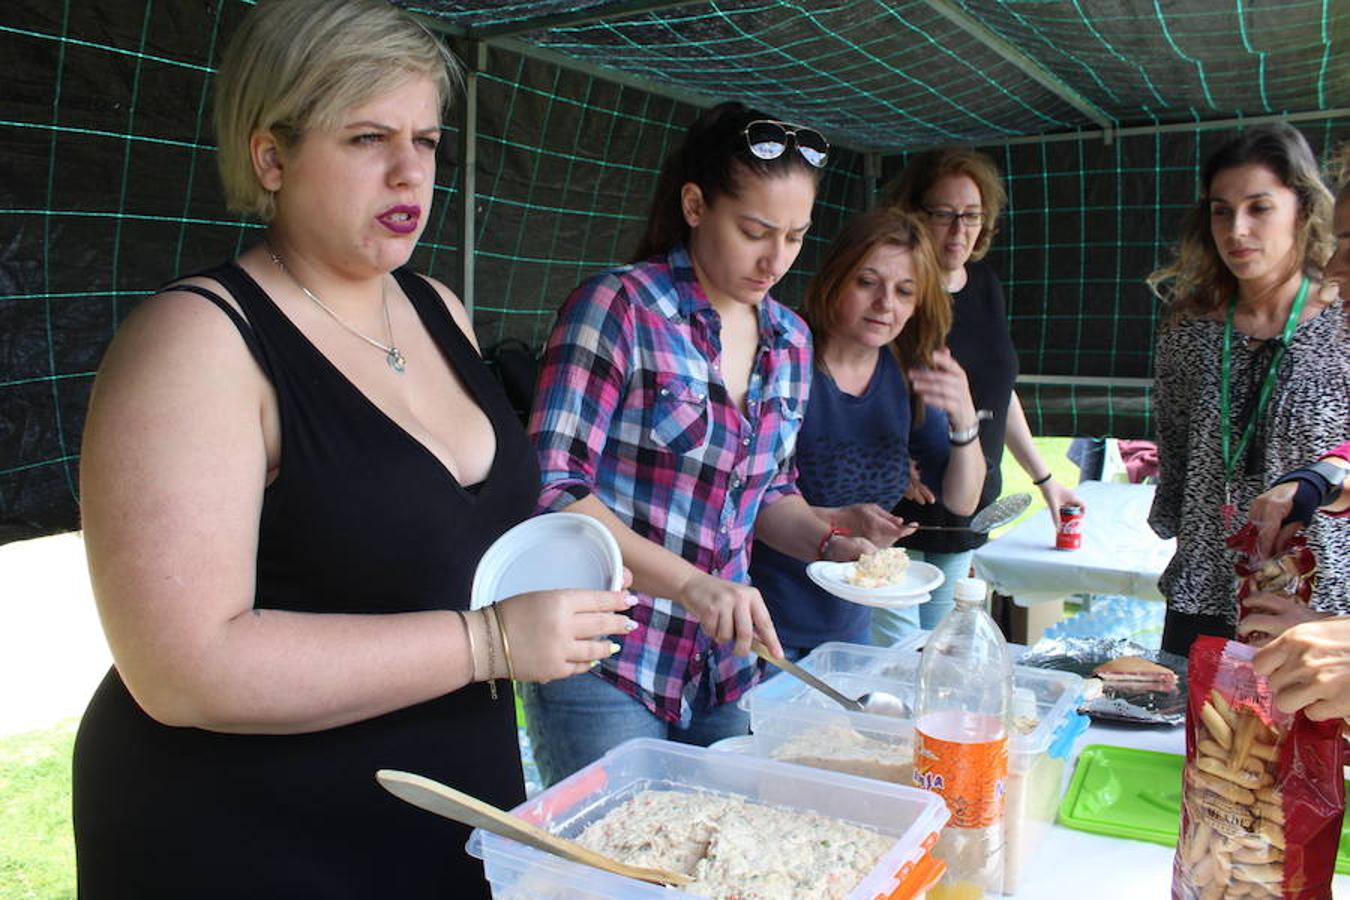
x: 848, y: 549
x: 1272, y: 615
x: 1057, y: 495
x: 917, y: 490
x: 942, y: 384
x: 1309, y: 669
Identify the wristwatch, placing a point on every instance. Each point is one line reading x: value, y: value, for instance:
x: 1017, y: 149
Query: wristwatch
x: 1335, y: 475
x: 965, y: 436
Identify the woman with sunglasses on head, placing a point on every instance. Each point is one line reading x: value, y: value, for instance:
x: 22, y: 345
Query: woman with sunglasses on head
x: 1252, y: 375
x: 879, y: 317
x: 959, y: 194
x: 668, y: 407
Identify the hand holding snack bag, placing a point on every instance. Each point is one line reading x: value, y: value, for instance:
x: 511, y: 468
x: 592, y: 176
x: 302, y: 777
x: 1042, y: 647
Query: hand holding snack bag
x: 1262, y: 793
x: 1276, y: 591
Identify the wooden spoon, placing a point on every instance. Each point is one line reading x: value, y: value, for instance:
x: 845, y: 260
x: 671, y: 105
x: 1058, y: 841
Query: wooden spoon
x: 452, y: 804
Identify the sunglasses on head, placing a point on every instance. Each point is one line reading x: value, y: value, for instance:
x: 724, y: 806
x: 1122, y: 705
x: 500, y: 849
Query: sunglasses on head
x: 768, y: 139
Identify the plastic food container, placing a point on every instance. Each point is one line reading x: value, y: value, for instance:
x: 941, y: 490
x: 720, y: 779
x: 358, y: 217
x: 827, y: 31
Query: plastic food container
x: 518, y: 872
x: 793, y: 722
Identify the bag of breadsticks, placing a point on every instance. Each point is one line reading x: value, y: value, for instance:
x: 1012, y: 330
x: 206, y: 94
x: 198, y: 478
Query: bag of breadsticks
x: 1262, y: 791
x: 1290, y: 572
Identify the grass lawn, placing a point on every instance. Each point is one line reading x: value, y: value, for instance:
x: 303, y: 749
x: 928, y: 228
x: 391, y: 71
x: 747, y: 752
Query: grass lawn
x: 1053, y: 450
x: 37, y: 854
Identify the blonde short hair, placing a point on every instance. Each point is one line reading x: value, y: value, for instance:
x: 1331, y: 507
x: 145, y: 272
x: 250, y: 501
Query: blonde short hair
x: 912, y: 185
x: 297, y: 65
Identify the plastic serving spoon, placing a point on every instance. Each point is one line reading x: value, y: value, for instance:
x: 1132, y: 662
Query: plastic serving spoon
x: 999, y: 513
x: 435, y: 797
x: 877, y: 703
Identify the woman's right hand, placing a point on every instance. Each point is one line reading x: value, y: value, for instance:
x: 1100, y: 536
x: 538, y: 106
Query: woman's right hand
x: 1268, y: 513
x: 870, y: 521
x: 729, y: 611
x: 555, y: 634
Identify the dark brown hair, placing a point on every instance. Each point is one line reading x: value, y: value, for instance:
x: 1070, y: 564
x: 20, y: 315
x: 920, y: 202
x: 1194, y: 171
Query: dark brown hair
x: 1197, y: 281
x: 714, y: 156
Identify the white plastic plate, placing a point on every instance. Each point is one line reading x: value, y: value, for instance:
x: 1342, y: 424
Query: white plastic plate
x: 555, y: 550
x: 920, y: 578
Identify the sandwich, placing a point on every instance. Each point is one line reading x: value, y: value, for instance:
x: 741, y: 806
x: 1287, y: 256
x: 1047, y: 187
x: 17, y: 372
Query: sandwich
x: 1135, y: 674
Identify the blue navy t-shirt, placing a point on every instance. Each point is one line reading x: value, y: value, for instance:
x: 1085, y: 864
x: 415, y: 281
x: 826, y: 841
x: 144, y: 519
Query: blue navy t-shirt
x: 850, y: 450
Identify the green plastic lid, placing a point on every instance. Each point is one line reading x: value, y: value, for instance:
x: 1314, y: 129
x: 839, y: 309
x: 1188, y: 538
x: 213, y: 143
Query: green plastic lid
x: 1136, y: 794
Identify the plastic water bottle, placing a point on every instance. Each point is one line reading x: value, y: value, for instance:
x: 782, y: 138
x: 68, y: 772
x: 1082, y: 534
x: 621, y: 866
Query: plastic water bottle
x: 962, y: 697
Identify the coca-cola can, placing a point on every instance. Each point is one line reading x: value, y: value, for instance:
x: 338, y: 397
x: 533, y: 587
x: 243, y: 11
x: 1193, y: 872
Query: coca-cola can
x: 1070, y: 534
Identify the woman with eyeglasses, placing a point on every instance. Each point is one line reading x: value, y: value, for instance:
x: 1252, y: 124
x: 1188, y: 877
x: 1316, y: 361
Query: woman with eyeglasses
x: 1252, y: 377
x: 883, y: 385
x: 959, y: 193
x: 668, y: 407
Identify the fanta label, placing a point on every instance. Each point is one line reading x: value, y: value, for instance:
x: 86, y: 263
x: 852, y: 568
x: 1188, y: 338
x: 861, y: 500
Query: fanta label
x: 970, y: 776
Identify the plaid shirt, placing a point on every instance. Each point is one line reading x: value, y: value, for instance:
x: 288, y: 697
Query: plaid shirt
x: 631, y: 407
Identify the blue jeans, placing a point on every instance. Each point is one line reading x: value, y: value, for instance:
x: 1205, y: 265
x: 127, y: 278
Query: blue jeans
x: 890, y: 625
x: 575, y: 721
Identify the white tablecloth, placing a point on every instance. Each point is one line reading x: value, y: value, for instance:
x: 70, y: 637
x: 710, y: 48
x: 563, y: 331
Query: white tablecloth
x: 1120, y: 553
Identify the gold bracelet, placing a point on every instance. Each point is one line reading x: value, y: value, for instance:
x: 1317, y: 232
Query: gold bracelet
x: 492, y: 657
x: 506, y: 644
x: 473, y: 646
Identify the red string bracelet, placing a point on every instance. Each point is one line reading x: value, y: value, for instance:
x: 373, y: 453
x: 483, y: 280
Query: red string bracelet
x: 830, y: 535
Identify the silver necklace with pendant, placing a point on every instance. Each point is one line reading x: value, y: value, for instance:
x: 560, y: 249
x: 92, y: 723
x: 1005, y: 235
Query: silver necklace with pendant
x: 392, y: 355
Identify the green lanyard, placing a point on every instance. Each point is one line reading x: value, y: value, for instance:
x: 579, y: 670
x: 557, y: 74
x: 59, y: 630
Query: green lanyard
x: 1231, y: 455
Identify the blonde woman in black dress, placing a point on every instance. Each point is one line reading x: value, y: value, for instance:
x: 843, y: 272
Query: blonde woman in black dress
x: 292, y: 464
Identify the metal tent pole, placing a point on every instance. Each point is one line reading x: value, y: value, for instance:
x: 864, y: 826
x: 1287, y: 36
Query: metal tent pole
x: 475, y: 63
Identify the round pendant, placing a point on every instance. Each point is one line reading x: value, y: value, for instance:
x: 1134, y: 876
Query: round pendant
x: 396, y: 360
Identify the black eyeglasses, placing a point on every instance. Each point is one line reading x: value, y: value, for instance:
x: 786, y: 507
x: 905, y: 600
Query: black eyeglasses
x: 945, y: 217
x: 768, y: 139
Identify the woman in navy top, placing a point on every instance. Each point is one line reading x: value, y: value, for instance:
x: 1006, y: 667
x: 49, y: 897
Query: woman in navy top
x: 879, y: 317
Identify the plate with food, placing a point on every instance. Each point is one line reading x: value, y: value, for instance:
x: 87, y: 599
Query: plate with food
x: 886, y: 578
x: 1125, y: 682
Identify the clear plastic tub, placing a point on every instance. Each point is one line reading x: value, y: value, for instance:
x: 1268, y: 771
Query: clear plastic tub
x: 514, y: 871
x: 792, y: 722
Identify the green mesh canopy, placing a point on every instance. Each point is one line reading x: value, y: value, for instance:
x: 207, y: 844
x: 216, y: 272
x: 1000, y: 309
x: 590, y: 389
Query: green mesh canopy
x: 1099, y: 114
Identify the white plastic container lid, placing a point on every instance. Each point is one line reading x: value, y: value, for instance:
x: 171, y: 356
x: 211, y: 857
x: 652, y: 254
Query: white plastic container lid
x: 555, y: 550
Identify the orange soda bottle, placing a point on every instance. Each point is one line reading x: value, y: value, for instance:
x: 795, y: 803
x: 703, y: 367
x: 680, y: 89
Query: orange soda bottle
x: 962, y: 695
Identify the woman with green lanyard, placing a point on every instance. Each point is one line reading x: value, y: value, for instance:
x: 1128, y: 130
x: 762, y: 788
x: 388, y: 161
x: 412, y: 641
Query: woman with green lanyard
x: 1252, y: 371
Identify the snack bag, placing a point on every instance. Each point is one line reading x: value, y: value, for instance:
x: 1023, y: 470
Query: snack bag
x: 1262, y: 791
x: 1290, y: 572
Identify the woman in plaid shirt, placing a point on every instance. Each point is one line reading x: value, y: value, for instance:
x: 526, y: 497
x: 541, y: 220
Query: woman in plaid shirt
x: 668, y: 407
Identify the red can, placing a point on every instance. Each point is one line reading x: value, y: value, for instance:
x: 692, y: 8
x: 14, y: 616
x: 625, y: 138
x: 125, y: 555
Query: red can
x: 1070, y: 534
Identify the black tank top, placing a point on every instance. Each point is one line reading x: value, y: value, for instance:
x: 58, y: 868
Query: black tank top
x: 361, y: 518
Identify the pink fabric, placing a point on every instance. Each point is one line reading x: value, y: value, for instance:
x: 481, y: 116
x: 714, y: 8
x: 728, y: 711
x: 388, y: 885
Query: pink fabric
x: 1343, y: 451
x: 1140, y: 458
